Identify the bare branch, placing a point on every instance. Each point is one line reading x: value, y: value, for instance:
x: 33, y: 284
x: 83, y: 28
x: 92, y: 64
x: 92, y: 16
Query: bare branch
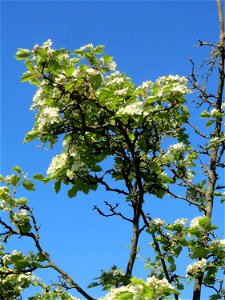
x: 113, y: 211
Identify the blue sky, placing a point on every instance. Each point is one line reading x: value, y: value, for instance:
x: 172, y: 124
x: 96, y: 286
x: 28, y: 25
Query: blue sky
x: 148, y: 39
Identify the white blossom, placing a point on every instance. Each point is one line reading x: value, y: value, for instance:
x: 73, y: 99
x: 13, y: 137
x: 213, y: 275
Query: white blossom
x: 170, y: 83
x: 114, y: 80
x: 38, y: 99
x: 196, y: 267
x: 178, y: 146
x: 115, y: 291
x: 60, y: 79
x: 223, y: 105
x: 16, y: 217
x: 189, y: 175
x: 56, y: 93
x: 49, y: 115
x: 218, y: 243
x: 57, y: 163
x: 3, y: 204
x: 195, y: 222
x: 91, y: 71
x: 181, y: 221
x: 146, y: 85
x: 158, y: 222
x: 70, y: 174
x: 75, y: 72
x: 171, y: 78
x: 121, y: 92
x: 158, y: 284
x: 112, y: 65
x: 135, y: 108
x: 47, y: 44
x: 88, y: 46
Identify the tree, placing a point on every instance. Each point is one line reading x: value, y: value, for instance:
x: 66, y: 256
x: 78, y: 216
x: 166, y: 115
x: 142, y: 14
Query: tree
x: 98, y: 113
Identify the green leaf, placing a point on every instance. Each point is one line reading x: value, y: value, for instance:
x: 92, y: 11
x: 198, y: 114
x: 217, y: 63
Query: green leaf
x: 69, y: 71
x: 73, y: 191
x: 17, y: 169
x: 205, y: 114
x: 96, y: 168
x: 215, y: 297
x: 39, y: 177
x: 40, y: 257
x: 200, y: 252
x: 29, y: 65
x: 69, y: 87
x: 31, y: 135
x: 25, y: 228
x: 28, y: 185
x: 91, y: 58
x: 96, y: 81
x: 209, y: 123
x: 15, y: 180
x: 22, y: 53
x: 27, y: 76
x: 180, y: 286
x: 57, y: 186
x: 99, y: 49
x: 22, y: 201
x: 107, y: 58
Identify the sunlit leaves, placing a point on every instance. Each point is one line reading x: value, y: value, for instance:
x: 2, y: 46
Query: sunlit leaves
x: 28, y: 185
x: 22, y: 53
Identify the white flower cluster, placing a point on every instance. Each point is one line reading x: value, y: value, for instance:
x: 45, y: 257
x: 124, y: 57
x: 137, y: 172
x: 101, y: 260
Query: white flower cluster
x: 88, y: 46
x: 7, y: 257
x: 48, y: 115
x: 46, y: 45
x: 223, y: 105
x: 75, y: 72
x: 174, y: 84
x: 195, y: 222
x: 181, y: 221
x: 28, y: 275
x: 121, y: 92
x: 196, y: 267
x: 114, y: 78
x: 189, y: 175
x: 38, y: 99
x: 57, y: 163
x: 25, y: 277
x: 146, y: 85
x: 91, y: 71
x: 171, y: 78
x: 158, y: 222
x: 135, y: 108
x: 60, y: 79
x: 3, y: 205
x: 178, y: 146
x: 21, y: 212
x: 218, y: 243
x: 112, y: 65
x: 158, y: 284
x: 115, y: 292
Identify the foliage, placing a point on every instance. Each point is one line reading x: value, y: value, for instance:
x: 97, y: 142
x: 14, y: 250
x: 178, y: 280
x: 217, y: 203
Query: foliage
x: 99, y: 113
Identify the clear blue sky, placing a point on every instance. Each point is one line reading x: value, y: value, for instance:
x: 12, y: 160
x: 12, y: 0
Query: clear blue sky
x: 148, y: 39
